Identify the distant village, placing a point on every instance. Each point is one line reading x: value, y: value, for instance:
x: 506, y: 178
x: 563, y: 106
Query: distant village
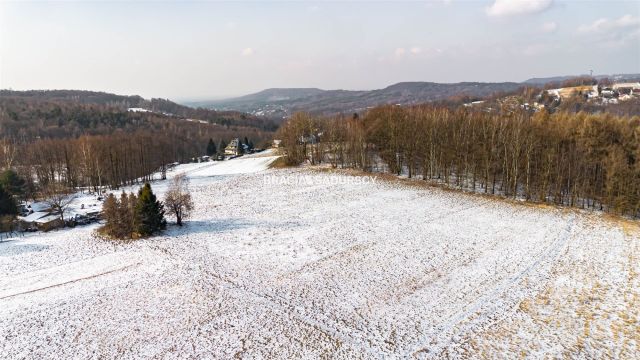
x: 549, y: 99
x: 598, y: 93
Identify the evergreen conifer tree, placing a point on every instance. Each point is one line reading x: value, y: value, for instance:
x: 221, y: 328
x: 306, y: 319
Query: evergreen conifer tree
x: 133, y: 221
x: 149, y: 212
x: 12, y: 183
x: 240, y: 147
x: 211, y: 148
x: 7, y: 203
x: 110, y: 214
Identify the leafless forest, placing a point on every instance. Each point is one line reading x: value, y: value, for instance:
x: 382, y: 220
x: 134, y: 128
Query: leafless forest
x: 574, y: 159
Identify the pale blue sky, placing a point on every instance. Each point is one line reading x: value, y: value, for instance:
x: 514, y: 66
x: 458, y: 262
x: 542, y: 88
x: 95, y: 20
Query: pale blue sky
x: 183, y: 50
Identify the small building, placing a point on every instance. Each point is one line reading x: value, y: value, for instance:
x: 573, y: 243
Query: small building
x: 233, y: 149
x: 627, y: 88
x: 41, y: 220
x: 49, y: 222
x: 28, y: 222
x: 276, y: 143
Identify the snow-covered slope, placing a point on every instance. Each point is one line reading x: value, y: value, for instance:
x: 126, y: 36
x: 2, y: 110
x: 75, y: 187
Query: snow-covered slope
x: 328, y: 268
x: 242, y: 165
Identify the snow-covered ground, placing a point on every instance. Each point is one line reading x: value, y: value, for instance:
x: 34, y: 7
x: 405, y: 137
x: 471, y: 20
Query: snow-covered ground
x: 328, y: 268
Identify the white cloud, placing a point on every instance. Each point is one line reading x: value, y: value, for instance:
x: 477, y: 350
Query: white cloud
x: 605, y: 24
x: 612, y: 33
x: 517, y: 7
x: 400, y: 52
x: 416, y: 50
x: 549, y: 27
x: 247, y: 52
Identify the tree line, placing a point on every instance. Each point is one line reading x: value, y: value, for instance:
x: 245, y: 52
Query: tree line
x: 574, y: 159
x: 94, y: 162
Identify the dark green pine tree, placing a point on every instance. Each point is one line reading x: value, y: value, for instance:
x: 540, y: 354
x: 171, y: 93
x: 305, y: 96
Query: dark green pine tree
x: 149, y: 212
x: 222, y: 146
x: 211, y: 148
x: 240, y: 148
x: 12, y: 183
x: 7, y: 203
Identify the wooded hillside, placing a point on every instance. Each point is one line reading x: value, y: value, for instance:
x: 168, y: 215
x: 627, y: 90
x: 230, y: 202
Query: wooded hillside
x: 88, y: 139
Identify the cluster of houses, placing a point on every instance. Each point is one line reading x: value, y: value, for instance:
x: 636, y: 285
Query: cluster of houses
x: 551, y: 98
x: 604, y: 94
x: 40, y: 216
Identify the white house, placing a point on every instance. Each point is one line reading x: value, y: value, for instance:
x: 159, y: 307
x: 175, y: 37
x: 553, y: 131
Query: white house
x: 232, y: 149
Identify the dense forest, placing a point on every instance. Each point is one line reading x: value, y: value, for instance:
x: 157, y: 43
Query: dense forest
x: 574, y: 159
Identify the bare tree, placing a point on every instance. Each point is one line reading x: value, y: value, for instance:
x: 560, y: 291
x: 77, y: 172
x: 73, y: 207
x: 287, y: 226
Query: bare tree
x: 59, y: 197
x: 8, y: 149
x: 178, y: 199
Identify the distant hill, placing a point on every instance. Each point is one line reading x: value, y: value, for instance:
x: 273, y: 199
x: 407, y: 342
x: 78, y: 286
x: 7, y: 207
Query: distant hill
x: 72, y: 113
x: 280, y: 94
x: 560, y: 79
x: 121, y: 103
x: 283, y: 102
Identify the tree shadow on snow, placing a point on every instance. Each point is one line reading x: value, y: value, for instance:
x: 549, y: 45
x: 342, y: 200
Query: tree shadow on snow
x: 226, y: 225
x: 208, y: 226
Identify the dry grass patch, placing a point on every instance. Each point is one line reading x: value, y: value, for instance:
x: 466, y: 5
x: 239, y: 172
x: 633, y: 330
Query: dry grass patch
x: 279, y: 163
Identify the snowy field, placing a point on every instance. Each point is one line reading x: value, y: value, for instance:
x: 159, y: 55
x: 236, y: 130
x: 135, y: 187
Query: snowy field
x: 347, y: 270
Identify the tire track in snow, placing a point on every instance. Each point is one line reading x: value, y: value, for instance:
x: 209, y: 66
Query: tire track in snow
x: 332, y: 330
x: 285, y: 306
x: 368, y: 244
x: 358, y: 342
x: 60, y: 275
x: 548, y: 255
x: 68, y: 282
